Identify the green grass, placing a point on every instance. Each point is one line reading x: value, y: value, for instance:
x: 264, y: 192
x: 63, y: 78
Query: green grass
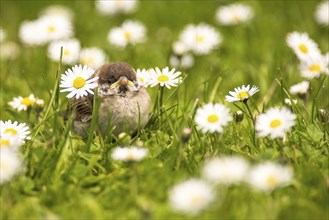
x: 69, y: 178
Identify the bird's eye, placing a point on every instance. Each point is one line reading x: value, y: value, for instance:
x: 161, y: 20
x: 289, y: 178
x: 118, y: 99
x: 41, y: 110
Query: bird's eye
x: 111, y: 80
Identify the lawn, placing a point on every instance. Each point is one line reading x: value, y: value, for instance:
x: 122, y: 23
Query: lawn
x: 256, y: 172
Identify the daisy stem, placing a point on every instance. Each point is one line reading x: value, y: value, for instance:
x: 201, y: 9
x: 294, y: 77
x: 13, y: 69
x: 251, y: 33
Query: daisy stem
x: 134, y: 181
x: 249, y: 112
x: 252, y: 119
x: 161, y: 96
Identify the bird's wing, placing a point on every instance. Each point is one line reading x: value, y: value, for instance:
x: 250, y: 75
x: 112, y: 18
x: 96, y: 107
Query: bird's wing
x: 81, y: 108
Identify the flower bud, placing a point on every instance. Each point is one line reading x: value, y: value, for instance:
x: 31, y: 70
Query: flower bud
x: 238, y: 116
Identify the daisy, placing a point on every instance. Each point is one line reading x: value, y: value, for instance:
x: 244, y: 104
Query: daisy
x: 290, y: 101
x: 129, y: 153
x: 165, y: 77
x: 31, y: 33
x: 275, y: 122
x: 268, y: 176
x: 185, y: 61
x: 113, y: 7
x: 19, y: 103
x: 93, y: 57
x: 303, y: 46
x: 143, y: 76
x: 225, y: 170
x: 201, y: 39
x: 234, y: 14
x: 313, y: 67
x: 55, y: 27
x: 16, y: 130
x: 241, y: 94
x: 300, y: 88
x: 212, y: 118
x: 78, y: 82
x: 131, y: 32
x: 191, y: 196
x: 10, y: 142
x: 58, y: 10
x: 10, y: 165
x: 179, y: 48
x: 2, y: 35
x: 71, y: 50
x: 9, y: 50
x: 322, y: 13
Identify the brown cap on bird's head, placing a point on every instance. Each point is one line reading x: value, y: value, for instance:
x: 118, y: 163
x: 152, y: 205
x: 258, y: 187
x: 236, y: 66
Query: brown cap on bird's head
x: 110, y: 73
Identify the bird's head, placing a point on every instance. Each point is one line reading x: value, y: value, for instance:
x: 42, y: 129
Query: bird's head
x: 117, y: 79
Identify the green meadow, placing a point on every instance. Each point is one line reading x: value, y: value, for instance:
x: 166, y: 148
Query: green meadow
x: 67, y: 177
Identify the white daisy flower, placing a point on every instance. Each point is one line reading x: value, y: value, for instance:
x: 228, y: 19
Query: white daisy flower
x: 2, y: 35
x: 179, y: 48
x: 241, y: 94
x: 143, y: 76
x: 14, y: 129
x: 78, y: 82
x: 71, y: 50
x: 129, y: 153
x: 322, y: 13
x: 191, y: 196
x: 10, y: 142
x: 234, y: 14
x: 55, y: 27
x: 303, y: 46
x: 10, y: 165
x: 58, y: 10
x: 165, y: 77
x: 212, y: 117
x: 290, y: 101
x: 31, y: 33
x: 268, y: 176
x: 114, y: 7
x: 9, y: 50
x: 313, y: 67
x: 226, y: 170
x: 275, y: 122
x: 93, y: 57
x: 21, y: 103
x: 201, y: 39
x: 185, y: 61
x: 300, y: 88
x: 131, y: 32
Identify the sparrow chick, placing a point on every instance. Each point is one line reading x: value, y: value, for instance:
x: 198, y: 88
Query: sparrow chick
x: 124, y: 103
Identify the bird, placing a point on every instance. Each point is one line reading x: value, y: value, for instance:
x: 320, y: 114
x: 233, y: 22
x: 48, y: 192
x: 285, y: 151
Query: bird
x: 124, y: 102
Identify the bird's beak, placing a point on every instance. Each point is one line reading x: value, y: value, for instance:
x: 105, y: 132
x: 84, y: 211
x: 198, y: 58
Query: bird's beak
x: 122, y: 81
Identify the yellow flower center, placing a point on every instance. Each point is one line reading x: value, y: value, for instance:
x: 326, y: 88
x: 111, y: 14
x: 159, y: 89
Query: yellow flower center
x: 130, y: 156
x: 79, y: 82
x: 243, y: 95
x: 128, y: 36
x: 66, y: 53
x: 199, y: 38
x: 275, y: 123
x: 303, y: 48
x: 4, y: 143
x: 163, y: 78
x: 51, y: 28
x: 10, y: 130
x: 272, y: 181
x: 315, y: 68
x: 196, y: 200
x: 27, y: 102
x: 213, y: 118
x: 141, y: 79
